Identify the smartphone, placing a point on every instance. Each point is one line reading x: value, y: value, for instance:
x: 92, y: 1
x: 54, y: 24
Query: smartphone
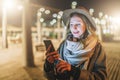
x: 47, y: 44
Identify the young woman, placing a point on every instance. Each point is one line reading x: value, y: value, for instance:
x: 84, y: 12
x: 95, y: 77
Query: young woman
x: 81, y: 55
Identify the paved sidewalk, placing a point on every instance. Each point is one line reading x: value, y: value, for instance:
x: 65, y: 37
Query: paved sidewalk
x: 11, y: 68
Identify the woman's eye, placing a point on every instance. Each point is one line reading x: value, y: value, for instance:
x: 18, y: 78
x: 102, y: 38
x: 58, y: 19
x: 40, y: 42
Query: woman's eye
x: 71, y: 25
x: 78, y: 25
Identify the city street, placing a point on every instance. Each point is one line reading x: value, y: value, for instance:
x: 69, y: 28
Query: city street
x: 11, y: 65
x: 24, y: 24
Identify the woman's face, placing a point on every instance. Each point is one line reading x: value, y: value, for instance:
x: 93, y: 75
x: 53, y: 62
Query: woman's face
x: 77, y: 26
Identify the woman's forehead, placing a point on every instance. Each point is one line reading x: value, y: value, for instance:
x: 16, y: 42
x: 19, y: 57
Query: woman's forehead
x: 76, y: 19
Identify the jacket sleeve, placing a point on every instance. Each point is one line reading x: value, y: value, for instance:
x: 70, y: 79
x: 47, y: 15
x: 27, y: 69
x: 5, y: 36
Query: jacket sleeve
x: 98, y: 71
x: 49, y: 70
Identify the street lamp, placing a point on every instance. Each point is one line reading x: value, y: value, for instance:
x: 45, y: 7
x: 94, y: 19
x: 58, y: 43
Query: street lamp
x: 47, y: 12
x: 100, y: 25
x: 74, y: 4
x: 39, y: 21
x: 39, y: 26
x: 27, y: 44
x: 20, y: 7
x: 91, y: 11
x: 54, y: 15
x: 60, y: 13
x: 4, y: 28
x: 6, y: 4
x: 53, y: 21
x: 100, y: 14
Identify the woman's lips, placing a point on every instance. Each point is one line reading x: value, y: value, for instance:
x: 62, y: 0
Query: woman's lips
x: 76, y: 32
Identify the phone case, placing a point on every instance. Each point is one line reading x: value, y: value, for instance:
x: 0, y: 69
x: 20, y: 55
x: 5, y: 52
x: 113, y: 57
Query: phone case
x: 47, y: 44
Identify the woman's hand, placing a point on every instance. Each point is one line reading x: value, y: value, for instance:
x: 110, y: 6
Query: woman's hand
x: 52, y: 56
x: 63, y: 66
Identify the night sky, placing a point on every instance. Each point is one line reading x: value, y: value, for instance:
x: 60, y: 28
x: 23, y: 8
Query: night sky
x: 110, y: 7
x: 106, y: 6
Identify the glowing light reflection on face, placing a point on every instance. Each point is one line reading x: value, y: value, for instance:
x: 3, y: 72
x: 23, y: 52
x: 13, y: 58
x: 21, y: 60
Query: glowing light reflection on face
x: 77, y: 26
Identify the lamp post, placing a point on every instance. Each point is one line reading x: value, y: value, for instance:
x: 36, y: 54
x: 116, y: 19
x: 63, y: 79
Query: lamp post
x: 74, y: 4
x: 7, y: 5
x: 58, y: 26
x: 4, y: 22
x: 39, y: 21
x: 59, y: 23
x: 4, y: 29
x: 100, y: 25
x: 91, y: 11
x: 39, y: 27
x: 28, y: 59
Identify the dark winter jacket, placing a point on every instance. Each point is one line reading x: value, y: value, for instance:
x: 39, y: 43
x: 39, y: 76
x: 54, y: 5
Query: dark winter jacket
x: 96, y: 68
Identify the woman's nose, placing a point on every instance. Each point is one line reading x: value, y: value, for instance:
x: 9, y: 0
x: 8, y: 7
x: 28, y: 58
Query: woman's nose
x: 75, y: 26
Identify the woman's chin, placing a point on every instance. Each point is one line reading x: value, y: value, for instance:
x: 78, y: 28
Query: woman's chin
x: 76, y: 36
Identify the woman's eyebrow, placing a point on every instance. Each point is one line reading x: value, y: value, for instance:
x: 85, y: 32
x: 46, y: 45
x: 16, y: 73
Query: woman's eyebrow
x: 75, y: 22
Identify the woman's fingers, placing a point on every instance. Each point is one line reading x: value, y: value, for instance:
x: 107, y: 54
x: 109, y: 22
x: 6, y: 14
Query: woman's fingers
x: 47, y: 51
x: 60, y: 63
x: 51, y: 57
x: 60, y: 68
x: 52, y: 53
x: 55, y: 55
x: 63, y: 66
x: 64, y: 69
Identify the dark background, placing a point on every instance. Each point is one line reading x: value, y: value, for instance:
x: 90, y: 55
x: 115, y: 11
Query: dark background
x: 106, y: 6
x: 110, y: 7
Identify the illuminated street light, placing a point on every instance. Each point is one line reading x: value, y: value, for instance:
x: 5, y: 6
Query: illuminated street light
x: 91, y: 10
x: 42, y: 9
x: 9, y: 4
x: 116, y: 19
x: 54, y: 15
x: 6, y: 4
x: 106, y: 16
x: 51, y: 23
x: 103, y: 21
x: 47, y: 11
x: 74, y: 4
x: 27, y: 44
x: 20, y: 7
x: 54, y: 20
x: 39, y: 23
x: 59, y: 16
x: 41, y: 19
x: 60, y: 13
x: 39, y: 14
x: 100, y: 14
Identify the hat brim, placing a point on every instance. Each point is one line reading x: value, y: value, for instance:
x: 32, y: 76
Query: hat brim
x: 67, y: 13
